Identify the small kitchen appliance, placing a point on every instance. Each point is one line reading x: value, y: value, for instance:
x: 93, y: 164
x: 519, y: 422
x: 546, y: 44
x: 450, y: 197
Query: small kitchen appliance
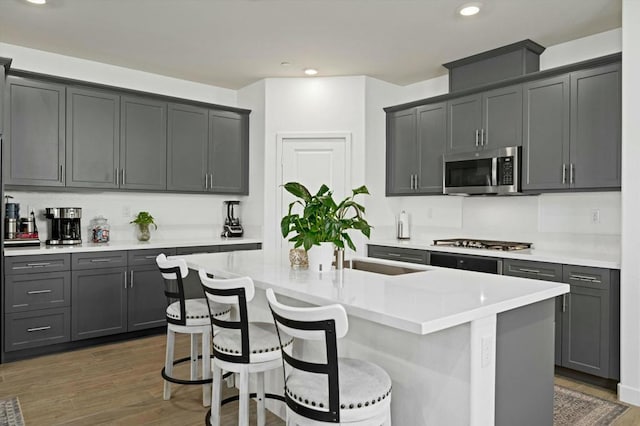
x: 403, y: 226
x: 64, y: 225
x: 232, y: 227
x: 19, y: 231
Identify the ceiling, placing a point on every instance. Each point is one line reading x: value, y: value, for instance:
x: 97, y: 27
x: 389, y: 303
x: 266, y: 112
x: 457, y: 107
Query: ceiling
x: 232, y: 43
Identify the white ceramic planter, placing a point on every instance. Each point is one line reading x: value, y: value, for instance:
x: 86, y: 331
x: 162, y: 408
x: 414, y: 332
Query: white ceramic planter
x: 321, y: 257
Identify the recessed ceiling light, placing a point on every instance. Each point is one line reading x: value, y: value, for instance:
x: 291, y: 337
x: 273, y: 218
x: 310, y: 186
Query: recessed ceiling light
x: 311, y: 71
x: 37, y: 1
x: 469, y: 9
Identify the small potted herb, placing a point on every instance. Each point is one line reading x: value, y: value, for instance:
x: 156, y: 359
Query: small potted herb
x: 143, y: 220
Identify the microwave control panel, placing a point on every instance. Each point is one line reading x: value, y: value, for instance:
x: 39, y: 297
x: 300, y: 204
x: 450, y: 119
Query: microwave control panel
x: 505, y: 170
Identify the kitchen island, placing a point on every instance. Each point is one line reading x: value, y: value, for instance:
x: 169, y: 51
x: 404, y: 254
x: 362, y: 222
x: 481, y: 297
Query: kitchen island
x: 461, y: 347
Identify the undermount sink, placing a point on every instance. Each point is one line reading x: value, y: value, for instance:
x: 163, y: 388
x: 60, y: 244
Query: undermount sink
x: 380, y: 268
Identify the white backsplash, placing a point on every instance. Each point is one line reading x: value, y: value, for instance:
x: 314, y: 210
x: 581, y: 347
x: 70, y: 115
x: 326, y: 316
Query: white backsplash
x: 178, y: 216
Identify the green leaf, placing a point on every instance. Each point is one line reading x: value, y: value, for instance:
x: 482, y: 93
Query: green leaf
x: 298, y: 190
x: 361, y: 190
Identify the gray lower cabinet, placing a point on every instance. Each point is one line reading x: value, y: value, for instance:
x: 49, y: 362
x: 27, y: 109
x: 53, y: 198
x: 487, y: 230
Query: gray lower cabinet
x: 93, y: 138
x: 35, y: 132
x: 228, y: 152
x: 37, y: 296
x: 399, y: 254
x: 487, y: 120
x: 143, y: 143
x: 187, y: 144
x: 587, y: 325
x: 415, y: 144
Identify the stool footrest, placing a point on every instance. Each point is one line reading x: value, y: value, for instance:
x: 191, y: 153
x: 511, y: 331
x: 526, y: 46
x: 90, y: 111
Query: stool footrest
x: 184, y: 381
x: 237, y: 397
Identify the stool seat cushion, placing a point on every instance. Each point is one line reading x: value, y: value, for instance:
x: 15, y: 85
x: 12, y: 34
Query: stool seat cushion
x: 263, y: 342
x: 363, y: 385
x: 197, y: 311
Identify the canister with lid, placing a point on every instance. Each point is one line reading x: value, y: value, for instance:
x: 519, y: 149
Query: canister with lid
x: 100, y: 230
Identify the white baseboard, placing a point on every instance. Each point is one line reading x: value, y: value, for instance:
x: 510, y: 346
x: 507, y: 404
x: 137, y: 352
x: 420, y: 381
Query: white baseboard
x: 628, y: 394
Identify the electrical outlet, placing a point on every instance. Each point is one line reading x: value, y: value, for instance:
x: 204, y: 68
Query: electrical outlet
x: 595, y: 216
x: 126, y: 211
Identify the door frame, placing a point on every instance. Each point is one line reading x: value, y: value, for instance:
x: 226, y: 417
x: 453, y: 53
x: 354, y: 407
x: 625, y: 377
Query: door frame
x: 281, y: 137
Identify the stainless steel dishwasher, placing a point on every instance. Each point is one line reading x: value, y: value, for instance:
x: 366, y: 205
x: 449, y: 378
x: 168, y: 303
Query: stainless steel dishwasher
x: 491, y: 265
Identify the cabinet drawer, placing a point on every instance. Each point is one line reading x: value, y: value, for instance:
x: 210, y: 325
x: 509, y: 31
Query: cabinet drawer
x: 37, y: 263
x: 28, y: 292
x: 107, y: 259
x: 183, y: 251
x: 535, y: 270
x: 38, y: 328
x: 235, y: 247
x: 400, y: 254
x: 584, y: 276
x: 147, y: 257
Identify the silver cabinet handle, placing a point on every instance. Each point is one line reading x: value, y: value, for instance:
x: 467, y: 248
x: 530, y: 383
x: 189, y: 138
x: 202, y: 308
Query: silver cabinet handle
x: 482, y: 137
x: 38, y: 291
x: 531, y: 271
x: 39, y: 265
x: 416, y: 182
x: 206, y: 181
x: 117, y: 177
x: 564, y: 173
x: 585, y: 278
x: 477, y: 137
x: 125, y: 280
x: 100, y: 260
x: 150, y: 257
x: 411, y: 185
x: 62, y: 173
x: 564, y: 302
x: 123, y: 181
x: 394, y: 254
x: 211, y: 180
x: 30, y: 330
x: 572, y: 177
x: 131, y: 278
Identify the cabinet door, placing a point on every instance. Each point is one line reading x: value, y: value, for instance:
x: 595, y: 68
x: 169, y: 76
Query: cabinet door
x: 586, y: 321
x: 432, y: 133
x: 146, y: 302
x: 93, y: 138
x: 545, y: 154
x: 596, y: 127
x: 502, y: 117
x: 99, y: 303
x: 464, y: 121
x: 143, y: 140
x: 35, y: 133
x: 402, y: 162
x: 228, y: 152
x: 187, y: 139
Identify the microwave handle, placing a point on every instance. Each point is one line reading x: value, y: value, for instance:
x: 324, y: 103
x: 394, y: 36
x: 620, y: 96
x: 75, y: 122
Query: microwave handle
x: 494, y: 171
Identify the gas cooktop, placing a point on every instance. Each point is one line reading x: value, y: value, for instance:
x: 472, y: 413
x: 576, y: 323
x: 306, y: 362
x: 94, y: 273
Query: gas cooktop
x: 483, y: 244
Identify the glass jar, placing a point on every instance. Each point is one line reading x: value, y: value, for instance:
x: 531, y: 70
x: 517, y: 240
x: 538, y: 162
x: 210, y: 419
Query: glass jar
x: 100, y: 230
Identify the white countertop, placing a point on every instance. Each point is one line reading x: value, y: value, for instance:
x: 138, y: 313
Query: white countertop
x: 597, y: 259
x: 420, y: 302
x: 125, y: 245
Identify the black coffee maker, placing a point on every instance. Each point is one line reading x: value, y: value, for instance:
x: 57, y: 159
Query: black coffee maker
x: 64, y: 225
x: 232, y: 227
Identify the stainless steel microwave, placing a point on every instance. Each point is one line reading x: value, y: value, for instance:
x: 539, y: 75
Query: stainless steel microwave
x: 495, y: 171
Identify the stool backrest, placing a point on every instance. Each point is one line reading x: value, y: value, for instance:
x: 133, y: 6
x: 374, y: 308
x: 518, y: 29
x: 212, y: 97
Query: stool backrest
x: 173, y: 271
x: 232, y: 291
x: 327, y: 323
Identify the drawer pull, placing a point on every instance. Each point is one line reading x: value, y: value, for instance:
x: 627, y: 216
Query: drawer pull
x: 100, y: 260
x: 394, y: 254
x: 38, y: 291
x: 585, y: 278
x: 531, y: 271
x: 38, y: 265
x: 31, y: 330
x: 150, y: 257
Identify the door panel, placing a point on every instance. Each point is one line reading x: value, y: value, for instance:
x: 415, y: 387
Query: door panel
x: 432, y: 133
x: 229, y: 152
x: 502, y: 109
x: 187, y: 138
x: 402, y: 162
x: 146, y: 303
x: 465, y: 118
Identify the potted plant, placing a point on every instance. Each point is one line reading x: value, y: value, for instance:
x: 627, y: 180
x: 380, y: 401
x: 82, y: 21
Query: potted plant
x: 143, y: 220
x: 323, y: 222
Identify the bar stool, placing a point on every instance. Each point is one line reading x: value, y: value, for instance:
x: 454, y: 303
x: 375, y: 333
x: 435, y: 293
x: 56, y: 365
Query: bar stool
x: 341, y: 390
x: 189, y: 316
x: 241, y: 347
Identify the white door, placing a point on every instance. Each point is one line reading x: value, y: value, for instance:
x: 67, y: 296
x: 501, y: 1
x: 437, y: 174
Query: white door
x: 314, y: 161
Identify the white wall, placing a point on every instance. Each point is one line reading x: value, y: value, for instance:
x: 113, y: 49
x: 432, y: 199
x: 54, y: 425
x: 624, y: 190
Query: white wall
x: 178, y: 215
x: 582, y: 49
x: 629, y: 388
x: 308, y: 105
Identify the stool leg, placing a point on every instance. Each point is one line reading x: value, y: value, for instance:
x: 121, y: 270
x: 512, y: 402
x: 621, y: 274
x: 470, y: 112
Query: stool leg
x: 194, y: 356
x: 168, y: 363
x: 216, y: 394
x: 260, y: 395
x: 243, y: 419
x: 206, y: 367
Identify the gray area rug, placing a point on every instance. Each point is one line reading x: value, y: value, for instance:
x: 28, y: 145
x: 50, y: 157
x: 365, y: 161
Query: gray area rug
x: 10, y: 413
x: 578, y: 409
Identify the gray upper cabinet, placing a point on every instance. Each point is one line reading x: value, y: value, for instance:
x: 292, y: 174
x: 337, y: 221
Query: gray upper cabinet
x: 487, y: 120
x: 35, y: 132
x: 546, y: 134
x: 415, y: 143
x: 596, y: 127
x: 93, y: 138
x: 143, y: 144
x: 402, y: 161
x: 187, y: 138
x: 228, y: 152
